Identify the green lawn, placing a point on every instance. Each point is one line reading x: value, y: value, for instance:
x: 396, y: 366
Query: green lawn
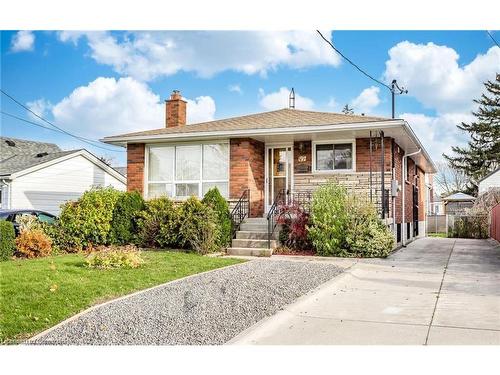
x: 39, y: 293
x: 439, y: 234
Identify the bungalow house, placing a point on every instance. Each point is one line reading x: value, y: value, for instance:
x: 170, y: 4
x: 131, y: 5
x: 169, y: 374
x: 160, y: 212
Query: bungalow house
x: 41, y: 176
x: 287, y: 150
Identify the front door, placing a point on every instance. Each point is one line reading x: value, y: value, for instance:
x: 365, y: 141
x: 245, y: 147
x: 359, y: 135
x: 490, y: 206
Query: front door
x: 279, y: 164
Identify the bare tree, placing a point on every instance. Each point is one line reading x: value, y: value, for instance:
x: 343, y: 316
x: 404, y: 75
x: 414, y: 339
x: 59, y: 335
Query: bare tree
x: 450, y: 180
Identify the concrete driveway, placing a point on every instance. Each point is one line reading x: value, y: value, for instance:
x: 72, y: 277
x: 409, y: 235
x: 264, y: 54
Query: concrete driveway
x: 435, y: 291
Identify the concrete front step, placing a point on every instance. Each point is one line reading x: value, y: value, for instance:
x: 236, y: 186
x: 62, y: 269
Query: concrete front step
x: 247, y: 235
x: 253, y: 227
x: 262, y: 244
x: 256, y: 220
x: 249, y: 251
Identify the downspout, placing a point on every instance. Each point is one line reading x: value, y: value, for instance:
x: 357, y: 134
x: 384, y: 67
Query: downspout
x: 403, y: 179
x: 6, y: 204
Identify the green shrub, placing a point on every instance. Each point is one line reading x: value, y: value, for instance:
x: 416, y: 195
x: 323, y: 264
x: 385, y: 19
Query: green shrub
x: 198, y: 226
x: 125, y: 215
x: 329, y: 220
x: 158, y: 224
x: 58, y: 237
x: 87, y: 221
x: 347, y: 225
x: 366, y: 235
x: 7, y: 240
x: 114, y: 257
x: 216, y: 201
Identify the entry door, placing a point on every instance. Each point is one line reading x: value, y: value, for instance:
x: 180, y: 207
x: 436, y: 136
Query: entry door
x: 279, y: 161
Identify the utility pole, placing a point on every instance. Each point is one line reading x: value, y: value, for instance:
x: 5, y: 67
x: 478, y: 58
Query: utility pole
x: 396, y: 90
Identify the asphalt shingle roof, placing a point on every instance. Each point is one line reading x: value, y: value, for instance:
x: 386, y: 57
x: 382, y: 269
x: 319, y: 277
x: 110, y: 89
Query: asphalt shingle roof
x: 282, y: 118
x: 19, y: 154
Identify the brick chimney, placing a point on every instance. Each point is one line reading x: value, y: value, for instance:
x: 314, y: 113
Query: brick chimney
x: 175, y: 110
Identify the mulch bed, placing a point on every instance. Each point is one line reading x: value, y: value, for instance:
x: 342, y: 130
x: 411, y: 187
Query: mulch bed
x: 287, y: 251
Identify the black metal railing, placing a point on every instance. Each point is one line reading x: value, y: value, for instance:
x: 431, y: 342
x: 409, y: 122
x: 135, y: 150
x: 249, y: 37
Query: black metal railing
x: 273, y: 214
x: 240, y: 211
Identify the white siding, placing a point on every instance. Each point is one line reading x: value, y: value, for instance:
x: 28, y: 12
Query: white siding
x: 47, y: 188
x: 492, y: 181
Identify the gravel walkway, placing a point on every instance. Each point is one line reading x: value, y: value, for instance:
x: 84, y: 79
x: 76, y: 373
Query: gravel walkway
x: 206, y: 309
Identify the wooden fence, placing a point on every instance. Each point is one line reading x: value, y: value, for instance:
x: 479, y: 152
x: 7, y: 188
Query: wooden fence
x: 436, y: 224
x: 495, y: 222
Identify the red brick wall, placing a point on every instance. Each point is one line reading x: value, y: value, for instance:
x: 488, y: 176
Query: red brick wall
x: 421, y: 194
x: 409, y: 191
x: 135, y: 167
x: 247, y: 172
x: 363, y: 154
x: 398, y: 161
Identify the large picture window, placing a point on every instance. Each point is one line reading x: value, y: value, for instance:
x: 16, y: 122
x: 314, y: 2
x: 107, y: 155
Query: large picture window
x: 333, y: 157
x: 184, y: 170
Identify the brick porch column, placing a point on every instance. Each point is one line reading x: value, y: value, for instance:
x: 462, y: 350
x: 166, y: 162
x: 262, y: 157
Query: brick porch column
x: 135, y: 167
x: 247, y: 172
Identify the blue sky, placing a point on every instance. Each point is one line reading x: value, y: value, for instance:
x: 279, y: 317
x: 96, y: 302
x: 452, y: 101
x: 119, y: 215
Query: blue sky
x: 104, y: 83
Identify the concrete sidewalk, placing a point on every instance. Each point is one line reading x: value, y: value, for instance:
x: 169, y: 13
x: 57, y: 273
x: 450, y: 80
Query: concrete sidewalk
x: 435, y: 291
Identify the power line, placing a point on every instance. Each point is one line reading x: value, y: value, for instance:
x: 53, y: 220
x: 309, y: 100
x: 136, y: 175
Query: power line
x: 41, y: 118
x: 28, y: 121
x: 61, y: 130
x: 493, y: 39
x: 51, y: 129
x: 352, y: 63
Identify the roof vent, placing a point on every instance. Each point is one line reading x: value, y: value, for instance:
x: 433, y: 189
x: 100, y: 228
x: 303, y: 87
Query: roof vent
x: 10, y: 143
x: 42, y: 154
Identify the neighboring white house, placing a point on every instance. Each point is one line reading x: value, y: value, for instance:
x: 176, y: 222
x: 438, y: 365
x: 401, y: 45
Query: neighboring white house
x: 436, y: 207
x: 41, y: 176
x: 490, y: 181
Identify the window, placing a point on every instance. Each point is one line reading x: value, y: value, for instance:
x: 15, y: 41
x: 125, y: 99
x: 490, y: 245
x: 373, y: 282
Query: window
x: 186, y: 170
x: 44, y: 218
x: 333, y: 156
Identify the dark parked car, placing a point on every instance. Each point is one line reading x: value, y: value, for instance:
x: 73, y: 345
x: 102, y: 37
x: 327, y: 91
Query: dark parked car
x: 14, y: 215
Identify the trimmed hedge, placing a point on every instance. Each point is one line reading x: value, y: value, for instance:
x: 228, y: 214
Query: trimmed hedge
x: 7, y: 240
x: 87, y: 221
x: 158, y: 224
x: 216, y: 201
x: 198, y: 226
x: 125, y: 215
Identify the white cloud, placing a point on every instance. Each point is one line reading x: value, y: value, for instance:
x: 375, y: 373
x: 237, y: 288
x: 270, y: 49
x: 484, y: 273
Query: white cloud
x: 40, y: 106
x: 70, y: 36
x: 108, y: 106
x: 279, y: 100
x: 235, y: 88
x: 148, y: 55
x: 22, y: 41
x: 200, y: 109
x: 438, y: 133
x: 433, y: 76
x: 333, y: 105
x: 367, y: 100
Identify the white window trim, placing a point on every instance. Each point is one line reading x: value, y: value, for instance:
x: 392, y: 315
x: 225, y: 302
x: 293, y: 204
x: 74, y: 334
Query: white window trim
x: 174, y: 181
x: 333, y: 142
